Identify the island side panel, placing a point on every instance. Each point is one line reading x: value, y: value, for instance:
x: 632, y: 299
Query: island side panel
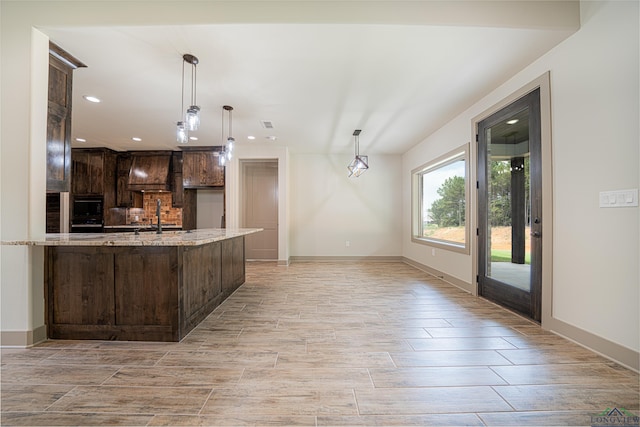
x: 146, y: 293
x: 201, y: 284
x: 233, y: 261
x: 79, y: 291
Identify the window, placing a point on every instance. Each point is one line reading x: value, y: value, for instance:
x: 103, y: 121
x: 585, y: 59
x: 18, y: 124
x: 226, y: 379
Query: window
x: 440, y: 213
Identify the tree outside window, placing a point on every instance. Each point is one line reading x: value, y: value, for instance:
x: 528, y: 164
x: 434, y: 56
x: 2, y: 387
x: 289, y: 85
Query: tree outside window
x: 440, y: 195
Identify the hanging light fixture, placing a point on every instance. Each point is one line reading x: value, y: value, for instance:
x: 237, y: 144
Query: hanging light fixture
x: 182, y: 136
x: 191, y: 122
x: 360, y: 163
x: 227, y: 146
x: 193, y: 112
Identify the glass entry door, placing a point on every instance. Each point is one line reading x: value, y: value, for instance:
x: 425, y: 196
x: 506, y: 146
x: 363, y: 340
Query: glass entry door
x: 510, y: 206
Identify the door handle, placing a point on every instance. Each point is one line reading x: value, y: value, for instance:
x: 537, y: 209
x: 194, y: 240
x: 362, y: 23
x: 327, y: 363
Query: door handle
x: 536, y: 234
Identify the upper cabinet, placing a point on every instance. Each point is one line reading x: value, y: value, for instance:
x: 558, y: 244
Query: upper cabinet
x: 93, y: 173
x: 61, y: 66
x: 200, y: 168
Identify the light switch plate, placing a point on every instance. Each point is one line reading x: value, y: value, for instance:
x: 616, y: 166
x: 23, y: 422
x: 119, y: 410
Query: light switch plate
x: 619, y: 198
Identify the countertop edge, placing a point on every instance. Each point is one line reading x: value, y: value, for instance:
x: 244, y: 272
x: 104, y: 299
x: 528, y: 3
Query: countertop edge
x: 169, y: 238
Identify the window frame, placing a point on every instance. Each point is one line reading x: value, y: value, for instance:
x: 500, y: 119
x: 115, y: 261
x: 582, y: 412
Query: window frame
x: 460, y: 153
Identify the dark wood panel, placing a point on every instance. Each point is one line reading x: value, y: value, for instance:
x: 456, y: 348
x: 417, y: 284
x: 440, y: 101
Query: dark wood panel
x: 59, y: 82
x: 233, y: 257
x: 146, y: 286
x: 150, y: 171
x: 81, y: 286
x: 201, y: 169
x: 60, y: 90
x: 190, y: 210
x: 137, y: 293
x: 53, y: 213
x: 58, y: 149
x: 201, y: 282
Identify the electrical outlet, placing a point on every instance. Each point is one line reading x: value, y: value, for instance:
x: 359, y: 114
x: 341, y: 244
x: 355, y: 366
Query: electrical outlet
x: 347, y: 243
x: 433, y: 252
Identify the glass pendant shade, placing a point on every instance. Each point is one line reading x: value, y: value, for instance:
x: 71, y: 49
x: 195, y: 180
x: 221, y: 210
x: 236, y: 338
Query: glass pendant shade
x: 222, y: 158
x: 359, y: 164
x: 181, y: 133
x: 230, y: 142
x: 193, y: 117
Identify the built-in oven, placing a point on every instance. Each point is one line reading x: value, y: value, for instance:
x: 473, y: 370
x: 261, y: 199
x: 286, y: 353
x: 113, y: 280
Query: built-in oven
x: 87, y: 215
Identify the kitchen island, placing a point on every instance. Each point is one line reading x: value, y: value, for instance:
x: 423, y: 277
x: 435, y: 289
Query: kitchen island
x: 142, y: 287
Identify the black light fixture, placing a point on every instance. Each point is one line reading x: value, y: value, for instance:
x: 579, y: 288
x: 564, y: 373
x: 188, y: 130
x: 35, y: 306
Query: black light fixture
x: 227, y: 145
x: 359, y: 164
x: 191, y: 121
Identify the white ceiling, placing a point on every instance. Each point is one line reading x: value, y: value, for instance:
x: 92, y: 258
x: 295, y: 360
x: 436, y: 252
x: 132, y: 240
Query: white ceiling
x: 317, y: 82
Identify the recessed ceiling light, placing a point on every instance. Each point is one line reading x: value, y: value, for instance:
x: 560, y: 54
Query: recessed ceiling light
x: 135, y: 138
x: 271, y: 138
x: 251, y: 137
x: 91, y: 98
x: 81, y: 140
x: 513, y: 122
x: 193, y: 138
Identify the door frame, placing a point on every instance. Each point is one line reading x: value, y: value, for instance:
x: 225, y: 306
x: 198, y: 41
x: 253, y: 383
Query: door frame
x: 544, y: 84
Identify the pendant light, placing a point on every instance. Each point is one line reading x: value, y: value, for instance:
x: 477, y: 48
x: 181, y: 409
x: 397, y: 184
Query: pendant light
x: 227, y: 147
x: 193, y: 112
x: 360, y: 163
x: 191, y: 121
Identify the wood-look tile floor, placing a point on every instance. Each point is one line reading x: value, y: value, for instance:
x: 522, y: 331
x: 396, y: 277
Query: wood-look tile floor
x: 340, y: 343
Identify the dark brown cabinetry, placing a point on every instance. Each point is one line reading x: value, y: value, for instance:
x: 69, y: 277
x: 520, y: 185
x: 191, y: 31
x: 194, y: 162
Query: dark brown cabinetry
x: 177, y: 186
x: 200, y: 168
x: 61, y: 66
x: 124, y: 197
x: 150, y: 171
x: 94, y: 175
x: 138, y: 293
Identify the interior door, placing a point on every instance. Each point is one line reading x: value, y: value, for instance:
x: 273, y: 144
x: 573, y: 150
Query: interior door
x: 510, y: 206
x: 260, y: 208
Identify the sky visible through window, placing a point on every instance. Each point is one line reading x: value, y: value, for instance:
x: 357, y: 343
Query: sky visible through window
x: 433, y: 180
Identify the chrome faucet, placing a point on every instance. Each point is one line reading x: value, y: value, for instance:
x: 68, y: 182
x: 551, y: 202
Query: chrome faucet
x: 159, y: 230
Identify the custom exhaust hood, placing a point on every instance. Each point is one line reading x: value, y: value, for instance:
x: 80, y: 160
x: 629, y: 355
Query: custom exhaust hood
x: 150, y: 171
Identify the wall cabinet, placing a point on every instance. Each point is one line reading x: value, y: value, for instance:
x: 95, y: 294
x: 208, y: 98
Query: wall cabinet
x: 200, y: 168
x: 88, y: 172
x: 93, y: 173
x: 61, y: 66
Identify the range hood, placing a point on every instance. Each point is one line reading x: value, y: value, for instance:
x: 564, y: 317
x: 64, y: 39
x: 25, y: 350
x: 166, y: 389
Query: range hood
x: 150, y: 171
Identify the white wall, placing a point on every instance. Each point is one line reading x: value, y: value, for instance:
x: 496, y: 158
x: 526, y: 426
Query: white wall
x: 328, y: 208
x: 595, y: 134
x: 210, y: 208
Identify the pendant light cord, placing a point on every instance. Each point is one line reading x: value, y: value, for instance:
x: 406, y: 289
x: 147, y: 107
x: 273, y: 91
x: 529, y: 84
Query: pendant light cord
x: 182, y: 93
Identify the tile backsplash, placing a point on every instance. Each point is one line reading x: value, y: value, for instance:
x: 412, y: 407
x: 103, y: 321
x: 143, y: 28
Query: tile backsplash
x: 147, y: 214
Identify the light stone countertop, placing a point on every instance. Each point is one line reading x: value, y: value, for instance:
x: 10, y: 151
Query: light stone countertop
x: 167, y: 238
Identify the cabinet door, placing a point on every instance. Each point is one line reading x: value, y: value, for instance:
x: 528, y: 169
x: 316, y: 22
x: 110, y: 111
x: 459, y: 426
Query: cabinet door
x: 96, y: 173
x: 80, y: 173
x: 178, y: 190
x: 201, y: 169
x: 59, y: 126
